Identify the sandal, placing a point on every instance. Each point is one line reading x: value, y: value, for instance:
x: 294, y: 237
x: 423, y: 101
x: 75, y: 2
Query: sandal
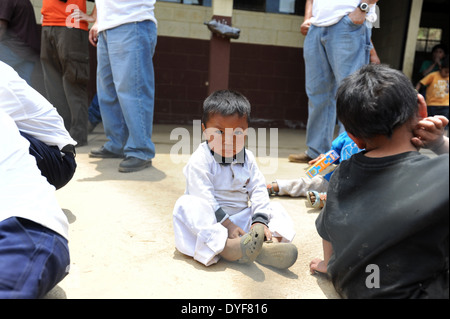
x: 319, y: 201
x: 278, y: 255
x: 251, y: 244
x: 270, y: 189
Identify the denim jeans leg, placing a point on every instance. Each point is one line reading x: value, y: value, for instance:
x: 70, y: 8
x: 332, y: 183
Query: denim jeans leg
x: 331, y: 54
x: 348, y: 49
x: 319, y: 88
x: 130, y: 51
x: 113, y: 122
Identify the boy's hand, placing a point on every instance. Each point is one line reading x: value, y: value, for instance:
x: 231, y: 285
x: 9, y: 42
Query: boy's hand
x: 313, y: 161
x: 429, y: 132
x: 267, y: 232
x: 234, y: 231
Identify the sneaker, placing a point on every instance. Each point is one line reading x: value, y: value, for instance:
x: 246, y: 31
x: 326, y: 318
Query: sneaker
x: 133, y: 164
x: 103, y: 153
x: 278, y: 255
x: 299, y: 158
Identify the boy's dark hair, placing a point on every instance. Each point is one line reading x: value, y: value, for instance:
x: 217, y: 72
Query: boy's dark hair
x: 225, y: 103
x: 439, y: 46
x: 375, y: 100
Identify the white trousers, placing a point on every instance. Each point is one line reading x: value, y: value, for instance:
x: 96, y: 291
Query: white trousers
x: 199, y: 235
x: 300, y: 187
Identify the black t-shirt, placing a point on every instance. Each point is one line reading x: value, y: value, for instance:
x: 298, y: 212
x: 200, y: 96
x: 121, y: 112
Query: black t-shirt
x: 388, y: 222
x: 21, y: 22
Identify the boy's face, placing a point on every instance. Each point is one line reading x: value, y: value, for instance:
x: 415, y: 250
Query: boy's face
x: 444, y: 72
x: 226, y: 134
x: 438, y: 54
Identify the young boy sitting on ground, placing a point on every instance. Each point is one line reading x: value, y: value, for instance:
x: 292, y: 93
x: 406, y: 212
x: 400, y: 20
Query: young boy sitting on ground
x: 226, y: 211
x: 385, y: 226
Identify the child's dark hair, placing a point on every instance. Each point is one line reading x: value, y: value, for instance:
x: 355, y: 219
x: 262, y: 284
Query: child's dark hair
x: 225, y: 103
x: 439, y: 46
x: 375, y: 100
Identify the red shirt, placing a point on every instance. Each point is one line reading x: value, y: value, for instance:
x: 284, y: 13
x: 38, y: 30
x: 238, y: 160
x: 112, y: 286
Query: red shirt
x: 56, y: 13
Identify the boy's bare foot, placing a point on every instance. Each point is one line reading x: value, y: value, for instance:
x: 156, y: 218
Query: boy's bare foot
x: 273, y: 189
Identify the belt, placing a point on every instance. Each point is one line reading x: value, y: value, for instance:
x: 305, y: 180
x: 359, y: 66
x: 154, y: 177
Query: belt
x: 69, y: 149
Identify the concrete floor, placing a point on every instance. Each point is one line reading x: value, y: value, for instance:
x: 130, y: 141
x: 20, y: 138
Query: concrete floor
x: 121, y: 235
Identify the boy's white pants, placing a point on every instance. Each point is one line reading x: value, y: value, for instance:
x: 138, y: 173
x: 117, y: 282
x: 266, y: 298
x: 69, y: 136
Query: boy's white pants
x: 300, y: 187
x: 198, y: 234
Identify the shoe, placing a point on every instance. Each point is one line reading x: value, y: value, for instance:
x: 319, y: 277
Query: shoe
x: 319, y: 199
x: 299, y: 158
x: 133, y: 164
x: 251, y: 244
x: 103, y: 153
x: 278, y: 255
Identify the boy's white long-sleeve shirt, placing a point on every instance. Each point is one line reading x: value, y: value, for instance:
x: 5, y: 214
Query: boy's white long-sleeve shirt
x: 232, y: 187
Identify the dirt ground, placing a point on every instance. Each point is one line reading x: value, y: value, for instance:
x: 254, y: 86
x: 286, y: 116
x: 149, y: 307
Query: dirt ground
x: 121, y: 235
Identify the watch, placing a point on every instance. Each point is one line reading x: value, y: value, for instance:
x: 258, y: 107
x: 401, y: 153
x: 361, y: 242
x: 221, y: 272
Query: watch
x: 364, y: 7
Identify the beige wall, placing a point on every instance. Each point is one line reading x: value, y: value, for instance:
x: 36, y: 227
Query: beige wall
x: 258, y: 28
x: 186, y: 21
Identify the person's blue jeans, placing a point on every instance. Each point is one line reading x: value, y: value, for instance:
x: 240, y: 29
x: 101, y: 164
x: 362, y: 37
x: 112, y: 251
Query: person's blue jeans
x: 126, y: 88
x: 95, y: 116
x: 331, y: 54
x: 33, y: 259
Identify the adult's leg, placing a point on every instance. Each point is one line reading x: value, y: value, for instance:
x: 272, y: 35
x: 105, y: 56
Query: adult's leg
x: 113, y: 122
x: 131, y: 47
x: 320, y: 82
x: 348, y: 47
x: 74, y: 58
x: 53, y: 74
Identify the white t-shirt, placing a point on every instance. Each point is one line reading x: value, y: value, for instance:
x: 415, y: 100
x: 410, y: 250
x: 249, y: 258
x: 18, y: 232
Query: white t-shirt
x: 24, y: 192
x: 31, y: 112
x: 113, y: 13
x: 329, y: 12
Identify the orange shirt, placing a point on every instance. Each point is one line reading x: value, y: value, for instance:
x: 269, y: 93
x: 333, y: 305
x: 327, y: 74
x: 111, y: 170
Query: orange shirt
x: 56, y: 13
x: 437, y: 89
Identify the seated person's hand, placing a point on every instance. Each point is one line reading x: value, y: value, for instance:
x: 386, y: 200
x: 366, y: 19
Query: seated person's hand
x: 429, y: 132
x: 313, y: 161
x: 234, y: 231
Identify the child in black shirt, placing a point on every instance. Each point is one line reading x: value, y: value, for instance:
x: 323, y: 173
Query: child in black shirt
x: 385, y: 225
